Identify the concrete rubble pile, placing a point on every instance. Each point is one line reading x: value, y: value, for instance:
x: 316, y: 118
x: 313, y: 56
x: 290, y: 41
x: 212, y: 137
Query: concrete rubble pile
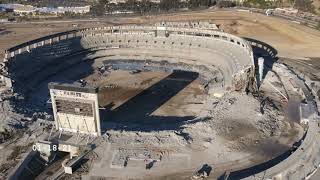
x: 13, y: 119
x: 211, y: 126
x: 9, y: 120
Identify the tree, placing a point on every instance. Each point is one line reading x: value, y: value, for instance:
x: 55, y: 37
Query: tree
x: 225, y: 4
x: 304, y: 5
x: 199, y: 3
x: 145, y: 6
x: 264, y: 4
x: 100, y: 8
x: 206, y: 3
x: 104, y: 3
x: 131, y: 5
x: 169, y: 4
x: 194, y: 3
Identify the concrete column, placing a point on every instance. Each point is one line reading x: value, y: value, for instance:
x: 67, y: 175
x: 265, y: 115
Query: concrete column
x: 97, y: 113
x: 8, y: 82
x: 50, y: 41
x: 28, y: 48
x: 13, y: 54
x: 19, y: 51
x: 261, y: 66
x: 6, y: 57
x: 54, y: 108
x: 42, y: 43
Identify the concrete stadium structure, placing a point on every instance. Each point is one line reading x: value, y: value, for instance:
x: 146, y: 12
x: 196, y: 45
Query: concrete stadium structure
x: 233, y: 56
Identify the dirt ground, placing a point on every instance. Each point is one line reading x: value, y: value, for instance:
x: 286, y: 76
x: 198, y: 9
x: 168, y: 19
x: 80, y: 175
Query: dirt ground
x: 120, y: 87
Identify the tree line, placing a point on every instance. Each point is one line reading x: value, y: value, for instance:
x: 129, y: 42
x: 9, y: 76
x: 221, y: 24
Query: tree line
x: 146, y: 6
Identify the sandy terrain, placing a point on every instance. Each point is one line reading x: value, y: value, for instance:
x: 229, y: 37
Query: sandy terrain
x: 288, y: 38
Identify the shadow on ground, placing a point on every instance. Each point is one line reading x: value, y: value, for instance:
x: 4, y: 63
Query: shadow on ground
x: 136, y: 113
x: 32, y: 71
x: 264, y: 50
